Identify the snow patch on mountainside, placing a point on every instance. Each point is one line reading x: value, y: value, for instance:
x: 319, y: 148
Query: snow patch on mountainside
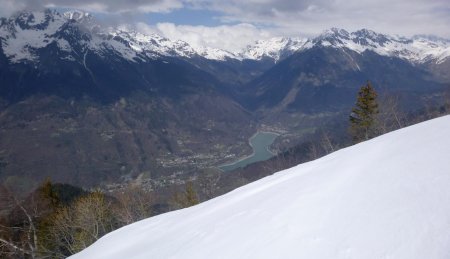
x: 28, y: 32
x: 38, y: 18
x: 216, y: 54
x: 384, y: 198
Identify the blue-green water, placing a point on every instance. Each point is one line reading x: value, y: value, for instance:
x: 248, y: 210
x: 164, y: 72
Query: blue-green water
x: 260, y: 143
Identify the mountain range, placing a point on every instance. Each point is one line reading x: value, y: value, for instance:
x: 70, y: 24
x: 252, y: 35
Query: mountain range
x: 86, y: 103
x: 26, y: 32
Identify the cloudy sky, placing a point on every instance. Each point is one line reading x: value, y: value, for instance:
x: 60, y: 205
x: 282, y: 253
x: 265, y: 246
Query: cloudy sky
x: 232, y: 24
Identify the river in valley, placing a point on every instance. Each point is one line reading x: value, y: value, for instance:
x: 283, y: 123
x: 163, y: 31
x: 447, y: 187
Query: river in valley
x: 260, y: 142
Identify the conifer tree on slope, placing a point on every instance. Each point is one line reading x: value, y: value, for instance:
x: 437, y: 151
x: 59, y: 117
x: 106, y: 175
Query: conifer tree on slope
x: 364, y: 115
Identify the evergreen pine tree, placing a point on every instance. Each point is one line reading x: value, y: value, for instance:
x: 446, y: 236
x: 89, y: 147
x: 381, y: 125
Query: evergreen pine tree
x: 363, y: 116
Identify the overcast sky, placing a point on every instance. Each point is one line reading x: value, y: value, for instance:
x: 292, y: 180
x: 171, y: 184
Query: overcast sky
x: 232, y: 24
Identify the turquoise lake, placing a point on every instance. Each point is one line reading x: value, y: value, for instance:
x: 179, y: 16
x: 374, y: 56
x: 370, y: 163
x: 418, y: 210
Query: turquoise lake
x: 260, y: 142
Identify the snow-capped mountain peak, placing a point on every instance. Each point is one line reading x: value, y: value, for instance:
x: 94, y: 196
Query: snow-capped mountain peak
x: 216, y: 54
x: 342, y: 38
x: 415, y: 49
x: 274, y: 48
x: 334, y: 32
x: 152, y: 44
x: 418, y: 49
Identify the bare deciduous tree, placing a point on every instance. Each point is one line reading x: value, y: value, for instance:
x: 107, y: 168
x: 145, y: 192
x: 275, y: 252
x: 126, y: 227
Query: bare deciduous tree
x: 390, y: 116
x: 207, y: 182
x: 134, y: 204
x: 19, y: 233
x: 77, y: 226
x: 327, y: 143
x: 186, y: 198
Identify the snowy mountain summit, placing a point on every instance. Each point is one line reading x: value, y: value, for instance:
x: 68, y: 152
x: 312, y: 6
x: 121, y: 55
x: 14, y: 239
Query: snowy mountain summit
x: 275, y: 48
x: 384, y: 198
x: 24, y: 34
x: 418, y: 49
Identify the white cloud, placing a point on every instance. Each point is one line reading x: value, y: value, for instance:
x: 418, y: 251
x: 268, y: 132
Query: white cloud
x: 228, y: 37
x: 404, y: 17
x: 10, y: 6
x: 105, y: 6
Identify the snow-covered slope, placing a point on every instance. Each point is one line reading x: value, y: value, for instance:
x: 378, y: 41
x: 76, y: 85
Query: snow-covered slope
x: 384, y: 198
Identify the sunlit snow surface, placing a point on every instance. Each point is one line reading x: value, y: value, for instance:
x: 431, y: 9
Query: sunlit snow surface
x: 385, y: 198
